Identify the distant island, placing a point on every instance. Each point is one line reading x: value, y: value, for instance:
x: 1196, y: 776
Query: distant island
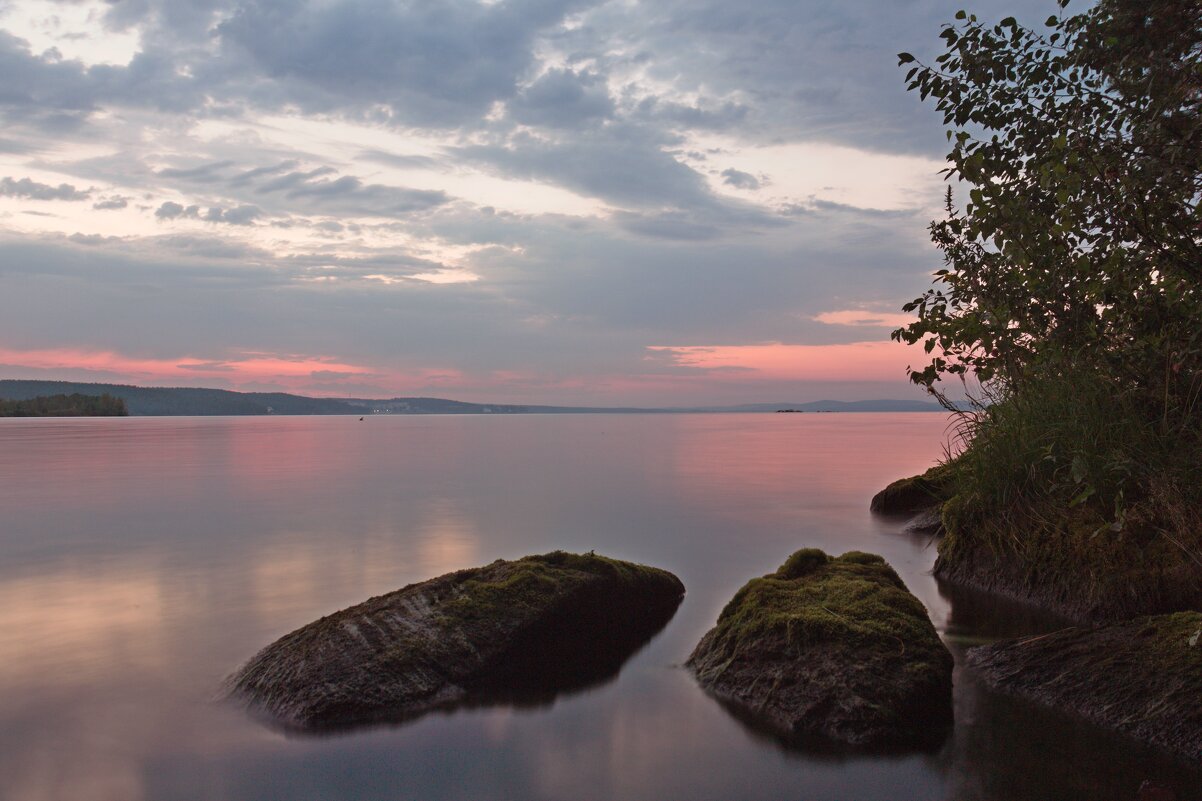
x: 62, y: 405
x: 176, y: 401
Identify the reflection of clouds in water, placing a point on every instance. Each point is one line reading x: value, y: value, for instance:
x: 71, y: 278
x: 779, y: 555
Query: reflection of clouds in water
x: 69, y: 626
x: 299, y: 569
x: 823, y: 460
x: 205, y: 540
x: 447, y: 539
x: 76, y: 766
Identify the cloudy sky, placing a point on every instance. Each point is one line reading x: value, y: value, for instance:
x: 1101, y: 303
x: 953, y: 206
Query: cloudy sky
x: 558, y: 201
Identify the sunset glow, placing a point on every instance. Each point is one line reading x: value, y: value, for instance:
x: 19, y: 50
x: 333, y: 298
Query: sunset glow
x: 339, y: 200
x: 880, y: 361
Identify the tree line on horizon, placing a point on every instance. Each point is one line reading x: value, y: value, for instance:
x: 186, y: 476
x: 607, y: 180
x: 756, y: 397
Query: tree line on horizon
x: 74, y: 405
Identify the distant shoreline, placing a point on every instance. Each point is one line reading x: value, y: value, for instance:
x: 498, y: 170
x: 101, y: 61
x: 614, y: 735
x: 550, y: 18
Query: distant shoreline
x: 203, y: 402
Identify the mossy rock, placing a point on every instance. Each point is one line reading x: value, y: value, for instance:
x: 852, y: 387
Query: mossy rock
x: 916, y: 493
x: 526, y: 628
x: 1142, y: 677
x: 831, y: 647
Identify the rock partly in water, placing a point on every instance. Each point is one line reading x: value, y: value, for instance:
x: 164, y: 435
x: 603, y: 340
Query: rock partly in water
x: 1142, y: 677
x: 1076, y: 567
x: 510, y: 630
x: 831, y: 647
x: 916, y: 493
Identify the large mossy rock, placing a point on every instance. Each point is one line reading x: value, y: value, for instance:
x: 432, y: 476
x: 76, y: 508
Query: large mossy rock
x: 1142, y: 677
x: 832, y: 647
x: 915, y: 494
x: 537, y: 625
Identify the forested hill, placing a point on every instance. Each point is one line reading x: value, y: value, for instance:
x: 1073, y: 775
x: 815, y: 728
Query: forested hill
x: 74, y: 405
x: 199, y: 401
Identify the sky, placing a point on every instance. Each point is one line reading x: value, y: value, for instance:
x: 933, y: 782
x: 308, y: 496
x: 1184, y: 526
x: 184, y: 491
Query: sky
x: 527, y: 201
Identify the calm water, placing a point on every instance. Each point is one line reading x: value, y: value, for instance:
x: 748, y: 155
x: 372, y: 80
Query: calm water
x: 143, y: 559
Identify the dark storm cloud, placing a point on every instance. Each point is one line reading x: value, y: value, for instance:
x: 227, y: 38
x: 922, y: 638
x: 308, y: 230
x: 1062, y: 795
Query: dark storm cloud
x: 32, y: 190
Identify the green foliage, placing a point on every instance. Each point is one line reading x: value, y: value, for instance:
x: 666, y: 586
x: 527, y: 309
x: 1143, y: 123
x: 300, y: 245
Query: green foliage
x: 1072, y: 292
x: 1079, y: 242
x: 74, y: 405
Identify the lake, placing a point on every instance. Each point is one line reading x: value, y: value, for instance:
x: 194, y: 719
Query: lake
x: 144, y: 559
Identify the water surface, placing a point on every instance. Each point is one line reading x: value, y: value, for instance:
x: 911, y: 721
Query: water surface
x: 145, y: 558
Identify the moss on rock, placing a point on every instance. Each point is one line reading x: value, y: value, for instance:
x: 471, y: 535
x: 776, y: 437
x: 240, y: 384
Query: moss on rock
x: 916, y: 493
x: 1142, y: 677
x: 834, y: 647
x: 542, y: 623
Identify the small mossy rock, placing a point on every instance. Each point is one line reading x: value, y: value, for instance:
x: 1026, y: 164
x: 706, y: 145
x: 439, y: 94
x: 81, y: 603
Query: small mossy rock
x: 830, y: 647
x: 557, y: 619
x: 1141, y: 677
x: 916, y: 493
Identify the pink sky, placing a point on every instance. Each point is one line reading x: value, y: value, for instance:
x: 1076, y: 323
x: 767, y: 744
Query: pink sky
x: 696, y: 371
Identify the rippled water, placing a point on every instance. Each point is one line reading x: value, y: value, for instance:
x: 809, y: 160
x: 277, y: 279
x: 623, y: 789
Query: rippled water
x: 143, y: 559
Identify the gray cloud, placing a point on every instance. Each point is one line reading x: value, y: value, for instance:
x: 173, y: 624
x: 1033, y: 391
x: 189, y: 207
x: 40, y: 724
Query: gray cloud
x: 400, y: 160
x: 248, y: 176
x: 626, y: 165
x: 204, y: 173
x: 438, y: 64
x: 170, y: 210
x: 740, y: 179
x: 32, y: 190
x: 111, y: 203
x: 605, y: 107
x: 348, y: 194
x: 239, y: 215
x: 563, y: 99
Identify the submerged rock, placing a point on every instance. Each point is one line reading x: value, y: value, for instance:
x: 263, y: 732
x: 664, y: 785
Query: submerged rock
x: 834, y: 647
x: 511, y: 629
x: 1142, y: 677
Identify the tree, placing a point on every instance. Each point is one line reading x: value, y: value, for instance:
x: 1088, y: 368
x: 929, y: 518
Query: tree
x: 1078, y: 249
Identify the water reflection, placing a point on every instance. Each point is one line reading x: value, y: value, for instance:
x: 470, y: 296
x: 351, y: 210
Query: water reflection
x: 144, y: 559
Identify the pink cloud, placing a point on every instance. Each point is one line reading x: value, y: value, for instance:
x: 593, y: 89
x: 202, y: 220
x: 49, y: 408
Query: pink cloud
x: 854, y: 361
x: 865, y: 318
x: 285, y: 369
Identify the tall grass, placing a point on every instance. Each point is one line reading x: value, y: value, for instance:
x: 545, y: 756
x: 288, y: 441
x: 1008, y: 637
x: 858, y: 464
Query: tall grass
x: 1072, y: 472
